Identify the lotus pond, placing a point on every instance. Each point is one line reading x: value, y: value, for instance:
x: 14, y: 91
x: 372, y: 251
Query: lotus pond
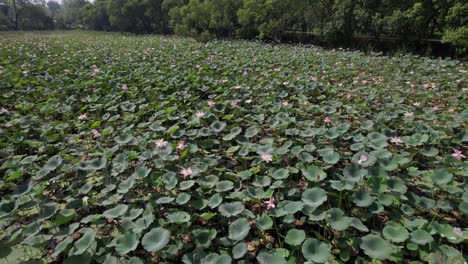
x: 122, y: 149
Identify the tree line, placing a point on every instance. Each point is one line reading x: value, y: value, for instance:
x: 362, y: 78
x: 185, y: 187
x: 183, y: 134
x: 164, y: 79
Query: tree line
x: 333, y: 21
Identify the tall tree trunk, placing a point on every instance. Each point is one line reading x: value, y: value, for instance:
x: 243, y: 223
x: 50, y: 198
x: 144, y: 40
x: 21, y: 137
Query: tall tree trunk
x: 16, y: 14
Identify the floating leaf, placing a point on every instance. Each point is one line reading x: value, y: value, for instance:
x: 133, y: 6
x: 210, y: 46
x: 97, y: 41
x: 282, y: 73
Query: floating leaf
x: 231, y: 209
x: 316, y: 251
x: 294, y: 237
x: 156, y: 239
x: 239, y: 229
x: 85, y: 241
x: 126, y: 243
x: 116, y: 212
x: 421, y: 237
x: 395, y: 232
x: 239, y: 250
x: 314, y: 174
x: 375, y: 247
x: 337, y: 219
x: 314, y: 197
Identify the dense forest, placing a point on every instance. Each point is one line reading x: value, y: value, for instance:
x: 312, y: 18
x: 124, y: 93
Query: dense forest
x: 332, y: 21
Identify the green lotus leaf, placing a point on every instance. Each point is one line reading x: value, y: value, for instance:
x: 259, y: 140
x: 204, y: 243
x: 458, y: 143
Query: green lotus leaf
x: 65, y: 216
x: 421, y: 237
x: 341, y: 185
x: 173, y: 129
x: 183, y: 198
x: 126, y: 243
x: 215, y: 200
x: 47, y: 211
x: 239, y: 250
x: 141, y: 172
x: 218, y: 126
x: 116, y: 212
x: 314, y: 174
x: 463, y: 206
x: 291, y: 207
x: 397, y: 185
x: 362, y: 198
x: 266, y: 258
x: 224, y: 186
x: 178, y: 217
x: 395, y: 232
x: 231, y: 209
x: 429, y: 151
x: 314, y: 197
x: 388, y: 164
x: 62, y: 245
x: 185, y: 185
x: 156, y: 239
x: 97, y: 163
x: 251, y: 132
x: 7, y: 207
x: 78, y: 259
x: 123, y: 139
x: 239, y: 229
x: 203, y: 237
x: 356, y: 223
x: 376, y: 247
x: 294, y: 237
x: 126, y: 185
x: 82, y: 244
x: 337, y: 219
x: 135, y: 260
x: 316, y: 251
x: 164, y: 200
x: 329, y: 156
x: 280, y: 174
x: 367, y: 125
x: 449, y: 251
x: 354, y: 173
x: 264, y: 222
x: 442, y: 176
x: 128, y: 106
x: 214, y: 258
x: 53, y: 163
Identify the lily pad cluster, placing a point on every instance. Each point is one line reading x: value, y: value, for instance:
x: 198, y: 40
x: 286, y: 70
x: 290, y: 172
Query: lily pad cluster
x: 124, y: 149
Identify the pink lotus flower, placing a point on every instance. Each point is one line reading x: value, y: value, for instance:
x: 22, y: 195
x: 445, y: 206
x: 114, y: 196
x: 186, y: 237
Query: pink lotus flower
x: 270, y: 203
x: 363, y: 158
x: 211, y: 103
x: 3, y: 110
x: 314, y: 78
x: 285, y: 103
x: 267, y: 157
x: 327, y: 119
x: 124, y: 87
x: 185, y: 172
x: 408, y: 114
x: 234, y: 103
x: 181, y: 146
x: 82, y: 116
x: 200, y: 114
x: 457, y: 154
x: 396, y: 140
x: 161, y: 143
x: 457, y: 231
x: 96, y: 133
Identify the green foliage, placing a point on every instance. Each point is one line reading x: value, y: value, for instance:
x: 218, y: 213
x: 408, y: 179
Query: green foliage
x: 142, y: 149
